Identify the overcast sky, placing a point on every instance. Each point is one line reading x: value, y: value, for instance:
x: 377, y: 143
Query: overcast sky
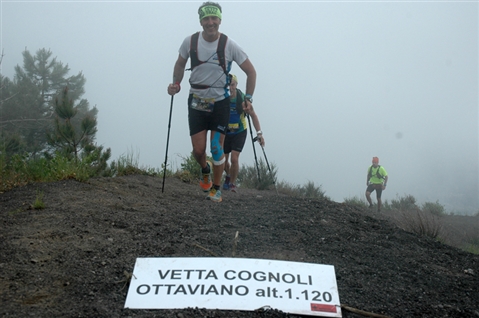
x: 338, y: 83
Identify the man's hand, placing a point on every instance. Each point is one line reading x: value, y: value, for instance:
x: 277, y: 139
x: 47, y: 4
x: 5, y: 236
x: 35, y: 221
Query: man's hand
x: 260, y: 139
x: 247, y: 106
x: 174, y: 88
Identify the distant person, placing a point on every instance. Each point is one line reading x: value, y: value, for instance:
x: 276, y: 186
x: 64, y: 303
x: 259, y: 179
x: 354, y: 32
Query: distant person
x: 212, y: 54
x: 236, y: 133
x: 376, y: 180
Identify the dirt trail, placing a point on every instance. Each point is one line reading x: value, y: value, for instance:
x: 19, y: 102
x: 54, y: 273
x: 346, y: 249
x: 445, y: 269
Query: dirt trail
x: 74, y: 258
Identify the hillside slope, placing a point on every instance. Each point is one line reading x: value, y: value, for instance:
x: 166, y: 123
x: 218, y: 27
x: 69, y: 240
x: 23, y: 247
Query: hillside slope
x: 73, y: 258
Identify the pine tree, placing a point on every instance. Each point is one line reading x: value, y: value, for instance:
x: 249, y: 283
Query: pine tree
x: 74, y: 134
x: 27, y: 115
x: 71, y: 134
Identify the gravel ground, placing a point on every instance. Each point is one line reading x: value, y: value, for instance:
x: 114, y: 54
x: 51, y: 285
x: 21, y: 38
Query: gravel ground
x: 74, y: 258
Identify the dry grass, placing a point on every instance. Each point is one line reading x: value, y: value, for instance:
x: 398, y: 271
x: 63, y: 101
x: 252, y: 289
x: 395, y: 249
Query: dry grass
x: 420, y: 222
x: 454, y: 230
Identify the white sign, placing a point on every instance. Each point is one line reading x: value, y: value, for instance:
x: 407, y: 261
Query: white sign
x: 234, y: 284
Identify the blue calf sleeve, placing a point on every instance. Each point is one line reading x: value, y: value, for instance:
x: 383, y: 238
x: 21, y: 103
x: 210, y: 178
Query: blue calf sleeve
x: 216, y: 149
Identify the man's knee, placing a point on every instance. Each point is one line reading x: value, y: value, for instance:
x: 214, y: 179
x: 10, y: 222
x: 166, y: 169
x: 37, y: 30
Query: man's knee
x: 198, y: 152
x: 199, y: 148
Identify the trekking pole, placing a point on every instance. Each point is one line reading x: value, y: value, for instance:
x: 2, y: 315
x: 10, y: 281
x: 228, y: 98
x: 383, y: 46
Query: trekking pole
x: 254, y: 149
x: 267, y: 164
x: 167, y: 142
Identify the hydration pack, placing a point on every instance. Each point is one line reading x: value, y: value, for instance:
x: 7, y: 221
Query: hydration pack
x: 195, y: 61
x: 378, y: 175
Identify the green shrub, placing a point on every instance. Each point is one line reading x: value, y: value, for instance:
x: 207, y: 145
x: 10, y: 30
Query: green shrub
x: 419, y: 222
x: 307, y: 191
x: 22, y: 169
x: 434, y: 208
x: 471, y: 248
x: 357, y: 202
x: 471, y: 243
x: 287, y: 188
x: 190, y: 165
x: 38, y: 204
x: 128, y: 165
x: 257, y: 176
x: 403, y: 203
x: 190, y: 169
x: 61, y: 168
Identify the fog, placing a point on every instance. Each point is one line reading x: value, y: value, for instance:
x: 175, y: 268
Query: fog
x: 338, y: 83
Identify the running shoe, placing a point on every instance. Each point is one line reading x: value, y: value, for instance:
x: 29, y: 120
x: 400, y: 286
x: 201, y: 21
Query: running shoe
x: 205, y: 182
x: 214, y: 195
x: 233, y: 188
x: 226, y: 185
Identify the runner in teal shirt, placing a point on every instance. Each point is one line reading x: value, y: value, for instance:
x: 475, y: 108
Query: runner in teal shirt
x: 236, y: 134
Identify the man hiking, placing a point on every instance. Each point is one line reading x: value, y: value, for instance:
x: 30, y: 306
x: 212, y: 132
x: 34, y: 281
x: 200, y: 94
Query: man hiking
x: 376, y: 180
x: 236, y: 134
x: 212, y: 54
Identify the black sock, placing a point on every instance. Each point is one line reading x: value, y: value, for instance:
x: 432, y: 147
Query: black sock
x: 206, y: 170
x: 217, y: 187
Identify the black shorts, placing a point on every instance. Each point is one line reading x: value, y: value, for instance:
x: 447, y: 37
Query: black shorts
x: 377, y: 187
x: 235, y: 142
x: 217, y: 120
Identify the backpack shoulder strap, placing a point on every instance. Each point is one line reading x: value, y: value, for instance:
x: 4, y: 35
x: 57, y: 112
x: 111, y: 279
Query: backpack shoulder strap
x: 378, y: 174
x: 220, y: 51
x: 194, y: 50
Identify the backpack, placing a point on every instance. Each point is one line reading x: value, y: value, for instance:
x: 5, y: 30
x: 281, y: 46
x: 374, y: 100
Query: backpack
x: 378, y: 175
x: 195, y: 61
